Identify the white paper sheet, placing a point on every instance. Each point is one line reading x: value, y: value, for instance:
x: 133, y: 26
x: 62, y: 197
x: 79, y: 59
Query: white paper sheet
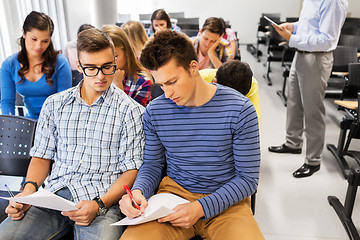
x: 160, y: 205
x: 46, y: 199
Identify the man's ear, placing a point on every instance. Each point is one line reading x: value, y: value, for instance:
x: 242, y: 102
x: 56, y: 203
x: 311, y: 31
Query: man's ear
x: 79, y: 67
x: 23, y: 33
x: 194, y: 67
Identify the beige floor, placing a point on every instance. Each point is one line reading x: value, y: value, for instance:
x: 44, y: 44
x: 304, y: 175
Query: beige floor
x: 288, y: 208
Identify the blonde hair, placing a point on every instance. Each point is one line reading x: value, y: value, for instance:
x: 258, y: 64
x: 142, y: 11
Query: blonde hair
x: 137, y: 35
x: 121, y: 41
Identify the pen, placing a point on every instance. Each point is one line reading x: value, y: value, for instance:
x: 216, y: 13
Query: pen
x: 9, y: 191
x: 127, y: 189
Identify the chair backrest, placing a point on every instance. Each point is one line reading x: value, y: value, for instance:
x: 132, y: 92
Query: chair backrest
x: 177, y: 15
x: 343, y: 55
x: 350, y: 41
x: 146, y: 16
x: 188, y: 23
x: 351, y: 31
x: 16, y: 139
x: 352, y: 85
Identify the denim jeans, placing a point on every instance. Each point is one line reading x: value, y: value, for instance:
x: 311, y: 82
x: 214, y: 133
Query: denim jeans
x: 42, y: 223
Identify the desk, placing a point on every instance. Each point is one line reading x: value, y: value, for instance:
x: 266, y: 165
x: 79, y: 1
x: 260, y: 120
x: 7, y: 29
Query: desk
x: 347, y: 104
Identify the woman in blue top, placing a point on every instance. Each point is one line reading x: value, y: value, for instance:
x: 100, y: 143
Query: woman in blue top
x: 161, y: 20
x: 36, y: 71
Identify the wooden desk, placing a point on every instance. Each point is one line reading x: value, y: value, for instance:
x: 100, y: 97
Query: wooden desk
x: 347, y: 104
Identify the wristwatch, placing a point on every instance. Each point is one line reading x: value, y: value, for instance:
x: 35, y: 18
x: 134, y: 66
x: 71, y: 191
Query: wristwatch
x: 102, y: 208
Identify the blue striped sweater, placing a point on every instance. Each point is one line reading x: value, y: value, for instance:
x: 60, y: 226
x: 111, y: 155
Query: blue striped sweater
x: 212, y: 149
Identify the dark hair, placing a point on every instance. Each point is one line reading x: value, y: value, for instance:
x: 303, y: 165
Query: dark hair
x: 42, y: 22
x: 235, y: 74
x: 214, y: 25
x: 160, y: 14
x: 84, y: 26
x: 93, y: 40
x: 166, y: 45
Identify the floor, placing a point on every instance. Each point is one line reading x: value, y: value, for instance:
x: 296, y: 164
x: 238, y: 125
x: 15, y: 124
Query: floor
x: 288, y: 208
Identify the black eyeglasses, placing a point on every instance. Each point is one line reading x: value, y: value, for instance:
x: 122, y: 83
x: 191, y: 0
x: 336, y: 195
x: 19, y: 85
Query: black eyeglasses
x: 93, y: 71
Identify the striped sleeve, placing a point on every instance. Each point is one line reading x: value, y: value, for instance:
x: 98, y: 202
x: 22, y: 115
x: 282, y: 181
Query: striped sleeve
x: 246, y: 148
x: 150, y: 172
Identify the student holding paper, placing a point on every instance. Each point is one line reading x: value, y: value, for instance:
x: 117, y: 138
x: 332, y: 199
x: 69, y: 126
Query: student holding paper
x: 207, y: 134
x: 93, y: 134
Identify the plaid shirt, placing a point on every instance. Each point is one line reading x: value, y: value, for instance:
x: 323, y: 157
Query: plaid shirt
x: 223, y: 50
x: 139, y: 89
x: 91, y: 146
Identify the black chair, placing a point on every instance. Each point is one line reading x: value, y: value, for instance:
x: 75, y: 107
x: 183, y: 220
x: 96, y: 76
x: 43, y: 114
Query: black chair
x: 263, y: 28
x: 177, y: 15
x: 288, y: 55
x: 188, y: 23
x: 343, y: 56
x: 76, y: 77
x: 350, y: 41
x: 16, y: 139
x: 349, y: 125
x: 190, y: 32
x: 351, y: 31
x: 344, y: 212
x: 352, y: 23
x: 275, y: 47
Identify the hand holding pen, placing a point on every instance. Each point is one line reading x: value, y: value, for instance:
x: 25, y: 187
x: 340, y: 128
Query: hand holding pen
x: 127, y: 189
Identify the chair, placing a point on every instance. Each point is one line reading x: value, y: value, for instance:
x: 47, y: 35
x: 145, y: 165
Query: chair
x: 275, y: 50
x: 16, y: 139
x: 350, y: 41
x: 349, y: 125
x: 188, y: 23
x: 344, y: 212
x: 288, y: 55
x: 263, y: 28
x: 145, y: 19
x: 76, y: 77
x: 190, y: 32
x: 177, y: 15
x: 343, y: 55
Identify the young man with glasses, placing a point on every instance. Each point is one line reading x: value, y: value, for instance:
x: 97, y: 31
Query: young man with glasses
x: 93, y: 134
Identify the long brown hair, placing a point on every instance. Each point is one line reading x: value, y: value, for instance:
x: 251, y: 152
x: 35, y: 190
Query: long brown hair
x: 121, y: 41
x: 42, y: 22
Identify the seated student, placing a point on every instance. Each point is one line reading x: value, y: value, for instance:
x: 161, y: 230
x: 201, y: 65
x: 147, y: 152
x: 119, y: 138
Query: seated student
x: 71, y: 54
x: 36, y: 71
x: 137, y: 35
x: 161, y: 20
x: 229, y: 35
x: 93, y: 134
x: 213, y: 164
x: 130, y: 76
x: 237, y: 75
x: 70, y: 50
x: 212, y: 50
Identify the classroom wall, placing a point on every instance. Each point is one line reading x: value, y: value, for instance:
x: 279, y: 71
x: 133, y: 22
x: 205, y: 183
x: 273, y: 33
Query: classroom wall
x: 242, y: 14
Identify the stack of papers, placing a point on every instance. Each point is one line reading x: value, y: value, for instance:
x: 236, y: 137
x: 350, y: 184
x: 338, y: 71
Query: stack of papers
x: 160, y: 205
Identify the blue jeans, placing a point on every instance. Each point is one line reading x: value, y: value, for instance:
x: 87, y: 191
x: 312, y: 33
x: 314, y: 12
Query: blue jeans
x: 42, y: 223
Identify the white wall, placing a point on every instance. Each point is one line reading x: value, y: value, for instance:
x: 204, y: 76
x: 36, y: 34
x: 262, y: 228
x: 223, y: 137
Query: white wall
x: 242, y: 14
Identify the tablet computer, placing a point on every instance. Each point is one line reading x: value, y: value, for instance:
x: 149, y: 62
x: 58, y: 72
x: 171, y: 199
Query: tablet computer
x: 272, y: 22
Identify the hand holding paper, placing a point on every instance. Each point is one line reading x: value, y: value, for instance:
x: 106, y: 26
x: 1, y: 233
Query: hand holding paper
x: 160, y: 205
x: 46, y: 199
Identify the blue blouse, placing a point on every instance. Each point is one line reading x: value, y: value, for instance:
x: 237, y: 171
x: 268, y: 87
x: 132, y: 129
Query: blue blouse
x: 33, y: 93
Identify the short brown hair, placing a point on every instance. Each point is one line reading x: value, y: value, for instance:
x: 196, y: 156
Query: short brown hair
x: 93, y: 40
x: 235, y: 74
x: 214, y: 25
x: 166, y: 45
